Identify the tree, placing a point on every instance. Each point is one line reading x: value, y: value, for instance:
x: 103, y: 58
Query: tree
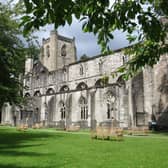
x: 33, y: 49
x: 102, y: 17
x: 84, y: 57
x: 11, y: 56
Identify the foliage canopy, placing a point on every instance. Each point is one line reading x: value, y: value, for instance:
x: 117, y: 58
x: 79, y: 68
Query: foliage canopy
x: 102, y: 17
x: 12, y: 54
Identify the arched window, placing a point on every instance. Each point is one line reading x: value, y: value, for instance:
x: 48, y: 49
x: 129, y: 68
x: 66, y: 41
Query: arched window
x: 81, y: 70
x: 42, y: 51
x: 48, y: 50
x: 64, y: 88
x: 37, y: 93
x: 83, y: 108
x: 82, y: 86
x: 121, y: 81
x: 110, y: 101
x: 108, y: 111
x: 62, y: 110
x: 125, y: 59
x: 50, y: 91
x: 63, y: 50
x: 27, y: 95
x: 99, y: 83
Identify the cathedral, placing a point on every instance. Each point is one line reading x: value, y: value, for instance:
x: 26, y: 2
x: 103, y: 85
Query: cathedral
x: 60, y: 91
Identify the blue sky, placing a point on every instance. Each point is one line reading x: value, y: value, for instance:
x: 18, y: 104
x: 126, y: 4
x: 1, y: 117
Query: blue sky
x: 86, y: 43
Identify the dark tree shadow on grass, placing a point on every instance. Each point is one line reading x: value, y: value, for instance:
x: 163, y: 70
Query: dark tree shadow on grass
x: 16, y: 166
x: 12, y: 142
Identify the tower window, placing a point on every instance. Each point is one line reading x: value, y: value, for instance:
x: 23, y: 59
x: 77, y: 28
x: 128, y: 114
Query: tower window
x: 48, y: 50
x: 81, y: 70
x: 63, y: 50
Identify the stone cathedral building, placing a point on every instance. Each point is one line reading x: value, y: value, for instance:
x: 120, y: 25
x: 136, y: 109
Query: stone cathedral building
x: 61, y: 91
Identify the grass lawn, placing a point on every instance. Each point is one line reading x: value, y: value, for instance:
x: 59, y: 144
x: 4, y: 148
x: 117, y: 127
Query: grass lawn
x: 53, y: 149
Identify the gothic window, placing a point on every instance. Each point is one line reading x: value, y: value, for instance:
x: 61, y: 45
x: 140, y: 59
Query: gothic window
x: 121, y: 81
x: 81, y: 70
x: 110, y: 106
x: 62, y: 110
x: 37, y: 94
x: 100, y: 63
x: 48, y: 50
x: 27, y: 95
x: 64, y: 88
x: 50, y: 91
x: 36, y: 113
x: 108, y: 111
x: 82, y: 86
x: 27, y: 82
x: 83, y: 108
x: 99, y: 83
x: 63, y: 50
x: 42, y: 51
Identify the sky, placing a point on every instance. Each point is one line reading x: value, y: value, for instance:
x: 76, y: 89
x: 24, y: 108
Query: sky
x: 86, y: 43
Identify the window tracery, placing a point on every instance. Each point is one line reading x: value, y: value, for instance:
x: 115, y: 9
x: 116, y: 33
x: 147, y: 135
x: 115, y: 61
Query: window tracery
x: 62, y: 110
x: 83, y: 108
x: 110, y: 101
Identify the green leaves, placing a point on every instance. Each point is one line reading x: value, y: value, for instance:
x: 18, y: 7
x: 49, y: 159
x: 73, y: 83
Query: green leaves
x: 28, y: 6
x: 69, y: 19
x: 102, y: 19
x: 131, y: 38
x: 11, y: 56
